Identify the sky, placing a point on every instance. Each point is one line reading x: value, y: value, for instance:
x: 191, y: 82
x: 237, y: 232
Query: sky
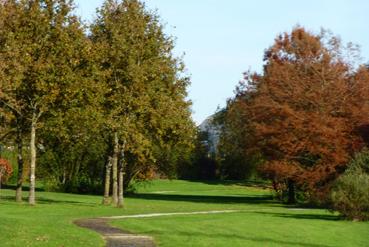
x: 222, y: 39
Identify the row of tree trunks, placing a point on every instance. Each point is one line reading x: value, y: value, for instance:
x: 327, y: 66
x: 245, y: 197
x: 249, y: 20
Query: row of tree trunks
x: 114, y: 168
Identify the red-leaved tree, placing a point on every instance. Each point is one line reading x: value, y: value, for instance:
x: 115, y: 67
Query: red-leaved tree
x: 306, y: 111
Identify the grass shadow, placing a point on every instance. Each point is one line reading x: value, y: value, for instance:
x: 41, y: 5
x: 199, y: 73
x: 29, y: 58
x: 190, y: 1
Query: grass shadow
x: 43, y: 200
x: 303, y: 216
x: 245, y: 183
x: 24, y: 188
x: 262, y: 199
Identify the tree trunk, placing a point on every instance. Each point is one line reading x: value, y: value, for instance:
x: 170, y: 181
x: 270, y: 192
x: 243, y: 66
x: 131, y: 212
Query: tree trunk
x: 121, y: 176
x: 32, y: 177
x: 120, y: 193
x: 291, y: 192
x: 115, y: 169
x: 0, y: 183
x: 106, y: 199
x: 18, y: 193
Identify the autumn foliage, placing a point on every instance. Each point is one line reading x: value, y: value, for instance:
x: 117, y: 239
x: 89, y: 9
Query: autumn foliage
x: 306, y: 112
x: 5, y: 169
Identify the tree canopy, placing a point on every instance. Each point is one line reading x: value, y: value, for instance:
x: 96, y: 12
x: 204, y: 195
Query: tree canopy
x: 115, y: 92
x: 305, y: 111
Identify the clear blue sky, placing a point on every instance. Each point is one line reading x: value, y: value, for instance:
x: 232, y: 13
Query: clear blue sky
x: 221, y: 39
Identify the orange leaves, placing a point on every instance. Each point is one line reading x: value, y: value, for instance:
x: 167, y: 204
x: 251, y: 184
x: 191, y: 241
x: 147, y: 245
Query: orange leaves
x: 281, y: 169
x: 5, y: 168
x: 305, y: 109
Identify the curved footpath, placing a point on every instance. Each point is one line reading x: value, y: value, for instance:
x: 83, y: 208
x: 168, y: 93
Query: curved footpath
x: 113, y: 236
x: 116, y: 237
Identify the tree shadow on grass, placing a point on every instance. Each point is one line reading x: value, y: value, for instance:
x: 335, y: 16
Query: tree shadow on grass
x: 262, y: 241
x: 43, y: 200
x: 302, y: 216
x: 24, y: 188
x: 262, y: 199
x: 245, y: 183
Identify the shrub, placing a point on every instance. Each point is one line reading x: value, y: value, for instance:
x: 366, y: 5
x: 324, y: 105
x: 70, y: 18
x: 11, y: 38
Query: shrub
x: 350, y: 194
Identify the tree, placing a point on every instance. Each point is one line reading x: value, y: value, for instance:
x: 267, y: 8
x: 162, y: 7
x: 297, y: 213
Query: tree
x: 145, y: 101
x: 11, y: 73
x: 304, y: 110
x: 43, y: 41
x: 74, y: 146
x: 236, y: 161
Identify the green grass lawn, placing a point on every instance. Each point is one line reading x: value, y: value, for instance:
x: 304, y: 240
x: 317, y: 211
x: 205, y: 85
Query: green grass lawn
x: 262, y: 221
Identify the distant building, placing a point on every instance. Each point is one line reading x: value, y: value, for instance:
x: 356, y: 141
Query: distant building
x: 211, y: 132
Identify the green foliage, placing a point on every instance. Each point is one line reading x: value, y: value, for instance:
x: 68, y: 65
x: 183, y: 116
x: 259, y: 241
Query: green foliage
x: 75, y: 166
x: 235, y: 138
x: 145, y: 101
x: 350, y: 195
x: 45, y: 57
x: 201, y: 162
x: 77, y: 90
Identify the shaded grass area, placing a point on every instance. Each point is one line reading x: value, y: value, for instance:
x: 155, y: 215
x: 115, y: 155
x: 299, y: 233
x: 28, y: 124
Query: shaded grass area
x: 256, y: 199
x: 262, y: 221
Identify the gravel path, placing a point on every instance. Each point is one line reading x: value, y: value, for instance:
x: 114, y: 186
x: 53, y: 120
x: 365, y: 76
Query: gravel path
x: 113, y: 236
x: 116, y: 237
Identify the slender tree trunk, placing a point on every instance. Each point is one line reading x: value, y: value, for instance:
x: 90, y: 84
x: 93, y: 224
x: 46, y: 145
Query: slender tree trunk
x: 121, y: 176
x: 32, y: 177
x: 0, y: 183
x: 106, y: 199
x: 115, y: 169
x: 18, y: 193
x: 64, y: 179
x: 120, y: 190
x: 291, y: 192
